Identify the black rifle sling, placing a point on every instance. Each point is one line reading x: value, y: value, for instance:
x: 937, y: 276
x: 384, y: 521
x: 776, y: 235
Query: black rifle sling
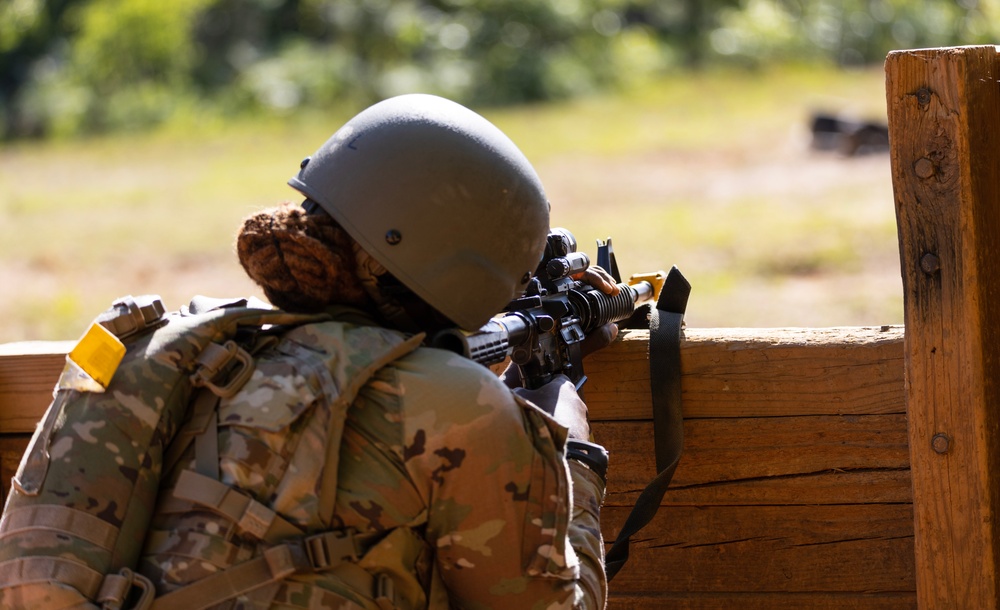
x: 665, y: 323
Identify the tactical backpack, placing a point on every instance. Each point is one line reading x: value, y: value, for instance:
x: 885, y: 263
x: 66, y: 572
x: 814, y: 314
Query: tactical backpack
x: 141, y: 390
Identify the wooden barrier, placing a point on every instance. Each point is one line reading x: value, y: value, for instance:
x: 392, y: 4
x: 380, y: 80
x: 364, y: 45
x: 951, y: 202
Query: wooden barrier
x: 793, y: 490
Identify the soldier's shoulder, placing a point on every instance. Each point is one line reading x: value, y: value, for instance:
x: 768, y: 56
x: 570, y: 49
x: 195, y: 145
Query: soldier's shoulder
x: 440, y: 364
x: 452, y: 385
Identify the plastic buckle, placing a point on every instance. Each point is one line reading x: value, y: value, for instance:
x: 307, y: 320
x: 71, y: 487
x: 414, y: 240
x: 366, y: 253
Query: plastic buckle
x: 256, y: 519
x: 216, y: 358
x: 129, y: 315
x: 117, y: 589
x: 385, y: 592
x: 283, y: 561
x: 330, y: 549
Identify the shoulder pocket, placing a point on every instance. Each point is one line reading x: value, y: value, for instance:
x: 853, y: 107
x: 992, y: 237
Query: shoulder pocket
x: 287, y: 381
x: 282, y: 419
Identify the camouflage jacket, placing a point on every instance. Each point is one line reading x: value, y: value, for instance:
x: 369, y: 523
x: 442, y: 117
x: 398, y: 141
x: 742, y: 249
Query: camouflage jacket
x: 459, y: 488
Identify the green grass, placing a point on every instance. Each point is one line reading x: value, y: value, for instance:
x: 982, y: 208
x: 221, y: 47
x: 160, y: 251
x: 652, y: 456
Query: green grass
x: 710, y: 172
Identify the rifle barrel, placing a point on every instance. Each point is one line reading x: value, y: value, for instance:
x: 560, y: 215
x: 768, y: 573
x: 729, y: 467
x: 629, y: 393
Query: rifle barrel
x: 496, y: 339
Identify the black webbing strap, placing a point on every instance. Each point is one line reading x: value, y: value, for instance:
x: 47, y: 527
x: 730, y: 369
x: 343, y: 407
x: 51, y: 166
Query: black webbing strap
x: 665, y: 324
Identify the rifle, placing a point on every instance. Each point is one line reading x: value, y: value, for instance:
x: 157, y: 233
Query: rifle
x: 541, y: 331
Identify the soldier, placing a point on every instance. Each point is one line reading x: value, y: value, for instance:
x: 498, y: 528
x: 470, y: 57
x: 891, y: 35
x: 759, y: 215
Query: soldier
x: 450, y: 489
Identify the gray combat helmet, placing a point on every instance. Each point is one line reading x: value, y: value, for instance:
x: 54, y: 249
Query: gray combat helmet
x: 440, y: 197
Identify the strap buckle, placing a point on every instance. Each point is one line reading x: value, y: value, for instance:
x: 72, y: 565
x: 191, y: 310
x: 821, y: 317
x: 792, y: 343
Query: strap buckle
x: 116, y: 590
x: 130, y: 315
x: 384, y: 592
x: 329, y: 549
x: 214, y: 360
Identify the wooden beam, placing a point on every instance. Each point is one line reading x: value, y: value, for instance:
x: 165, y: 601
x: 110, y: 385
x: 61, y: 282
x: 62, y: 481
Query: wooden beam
x: 727, y: 372
x: 774, y: 600
x: 760, y: 549
x: 28, y: 372
x: 768, y: 460
x: 793, y: 489
x: 944, y: 125
x: 759, y: 372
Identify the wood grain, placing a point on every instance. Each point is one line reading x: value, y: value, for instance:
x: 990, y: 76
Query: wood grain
x: 760, y: 549
x: 774, y: 600
x: 774, y: 460
x: 28, y: 372
x: 739, y: 372
x: 944, y: 120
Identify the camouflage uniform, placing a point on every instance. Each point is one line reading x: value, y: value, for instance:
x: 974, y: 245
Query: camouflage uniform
x: 459, y: 488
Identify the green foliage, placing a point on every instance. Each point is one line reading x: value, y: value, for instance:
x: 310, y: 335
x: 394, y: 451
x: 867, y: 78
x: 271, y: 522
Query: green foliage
x: 133, y: 57
x: 18, y: 20
x: 123, y: 42
x: 122, y: 64
x: 76, y: 66
x: 848, y: 32
x: 495, y: 52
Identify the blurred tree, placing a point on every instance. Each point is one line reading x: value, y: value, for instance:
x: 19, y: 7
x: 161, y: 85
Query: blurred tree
x: 232, y: 34
x: 134, y: 57
x: 114, y: 64
x: 848, y: 32
x: 683, y: 26
x: 70, y: 66
x: 29, y: 29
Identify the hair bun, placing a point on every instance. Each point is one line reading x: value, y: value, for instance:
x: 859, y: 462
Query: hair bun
x: 302, y: 262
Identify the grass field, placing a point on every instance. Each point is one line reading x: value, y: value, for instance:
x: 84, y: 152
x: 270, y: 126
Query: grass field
x: 712, y: 173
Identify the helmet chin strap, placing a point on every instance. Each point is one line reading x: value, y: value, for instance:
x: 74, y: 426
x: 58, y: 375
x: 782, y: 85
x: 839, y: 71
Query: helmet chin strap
x: 398, y: 305
x: 385, y: 291
x: 311, y: 207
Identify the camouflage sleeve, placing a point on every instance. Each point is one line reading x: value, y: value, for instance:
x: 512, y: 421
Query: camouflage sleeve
x: 509, y: 526
x: 585, y: 531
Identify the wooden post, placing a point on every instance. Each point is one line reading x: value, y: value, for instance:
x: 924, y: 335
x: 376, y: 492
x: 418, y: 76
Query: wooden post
x: 944, y: 127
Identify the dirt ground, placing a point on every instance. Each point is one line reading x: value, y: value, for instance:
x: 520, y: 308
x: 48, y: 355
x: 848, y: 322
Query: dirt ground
x: 663, y: 208
x: 787, y: 180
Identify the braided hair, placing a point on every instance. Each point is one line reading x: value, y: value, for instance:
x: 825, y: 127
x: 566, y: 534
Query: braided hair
x: 303, y: 262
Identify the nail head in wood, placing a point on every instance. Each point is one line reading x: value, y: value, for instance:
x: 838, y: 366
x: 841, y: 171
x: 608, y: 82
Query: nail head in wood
x: 923, y: 96
x: 940, y: 443
x: 930, y: 263
x: 924, y: 168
